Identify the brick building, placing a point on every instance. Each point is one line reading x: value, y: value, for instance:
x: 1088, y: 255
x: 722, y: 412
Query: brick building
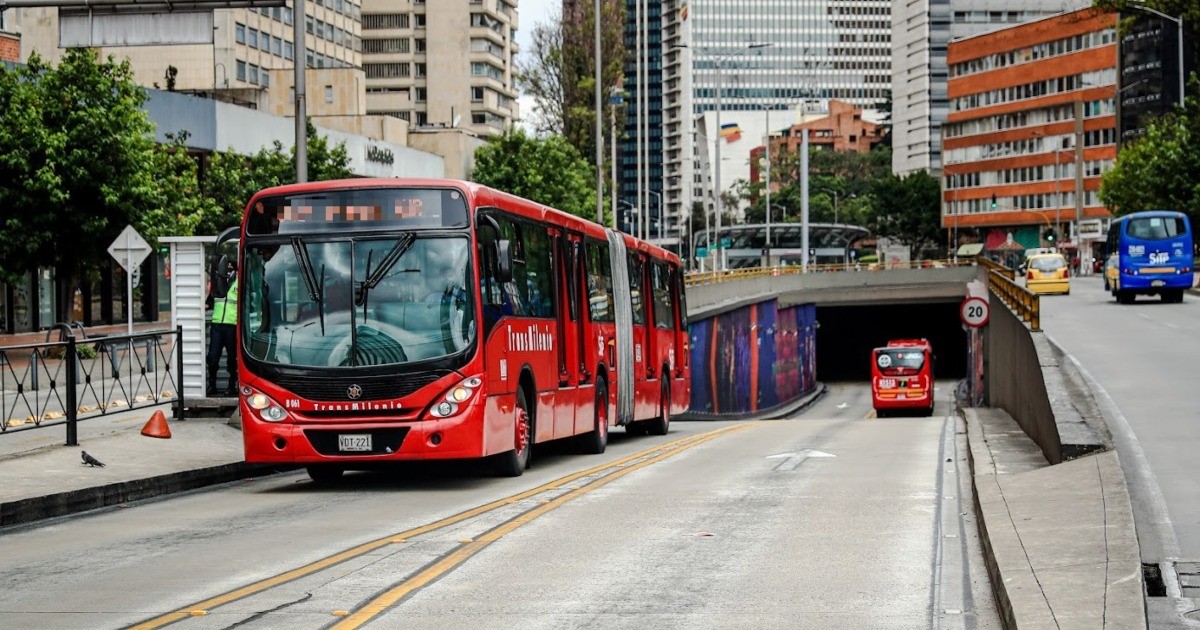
x: 842, y: 130
x: 1009, y: 142
x: 10, y: 45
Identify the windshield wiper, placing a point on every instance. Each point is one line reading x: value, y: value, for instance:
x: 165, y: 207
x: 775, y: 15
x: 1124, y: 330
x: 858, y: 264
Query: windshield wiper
x: 374, y: 277
x: 315, y: 292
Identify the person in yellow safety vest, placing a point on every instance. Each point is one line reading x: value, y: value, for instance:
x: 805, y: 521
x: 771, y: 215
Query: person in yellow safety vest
x: 223, y: 329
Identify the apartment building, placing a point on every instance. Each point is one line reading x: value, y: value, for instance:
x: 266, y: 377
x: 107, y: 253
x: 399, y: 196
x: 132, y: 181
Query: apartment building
x: 441, y: 64
x: 1010, y: 139
x: 921, y: 31
x: 247, y: 45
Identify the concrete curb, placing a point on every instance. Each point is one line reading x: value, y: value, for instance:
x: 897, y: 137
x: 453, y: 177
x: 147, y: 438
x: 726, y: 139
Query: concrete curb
x: 74, y: 501
x: 777, y: 411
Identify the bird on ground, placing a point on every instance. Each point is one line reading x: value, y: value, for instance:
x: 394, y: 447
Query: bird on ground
x: 91, y: 461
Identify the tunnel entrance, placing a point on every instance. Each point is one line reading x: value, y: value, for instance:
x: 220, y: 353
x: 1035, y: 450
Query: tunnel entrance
x: 847, y: 334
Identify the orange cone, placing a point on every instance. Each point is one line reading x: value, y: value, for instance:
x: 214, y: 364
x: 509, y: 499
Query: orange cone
x: 157, y: 426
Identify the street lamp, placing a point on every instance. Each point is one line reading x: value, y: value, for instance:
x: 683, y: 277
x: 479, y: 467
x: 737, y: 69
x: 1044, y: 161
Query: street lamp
x: 1179, y: 41
x: 646, y: 227
x: 717, y: 59
x: 835, y: 201
x: 632, y: 213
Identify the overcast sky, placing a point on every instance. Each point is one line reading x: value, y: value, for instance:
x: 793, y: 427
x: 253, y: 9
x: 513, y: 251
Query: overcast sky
x: 532, y: 13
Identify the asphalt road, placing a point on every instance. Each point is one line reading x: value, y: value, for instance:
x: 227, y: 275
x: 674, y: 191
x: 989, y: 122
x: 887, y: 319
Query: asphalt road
x: 830, y: 519
x: 1145, y: 356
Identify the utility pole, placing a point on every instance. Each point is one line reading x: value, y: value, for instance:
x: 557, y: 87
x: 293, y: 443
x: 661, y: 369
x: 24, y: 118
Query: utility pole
x: 804, y: 201
x: 767, y: 246
x: 1079, y: 182
x: 599, y: 128
x: 301, y: 64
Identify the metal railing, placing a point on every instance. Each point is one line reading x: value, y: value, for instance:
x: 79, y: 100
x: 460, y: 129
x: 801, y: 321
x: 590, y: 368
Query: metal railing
x: 60, y: 383
x: 992, y: 265
x: 1022, y: 301
x: 711, y: 277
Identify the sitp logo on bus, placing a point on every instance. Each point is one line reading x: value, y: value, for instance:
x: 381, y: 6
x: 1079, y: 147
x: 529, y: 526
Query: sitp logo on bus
x: 531, y: 339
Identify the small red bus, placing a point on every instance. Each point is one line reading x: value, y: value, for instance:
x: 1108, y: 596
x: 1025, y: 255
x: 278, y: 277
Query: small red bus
x: 405, y: 319
x: 902, y: 377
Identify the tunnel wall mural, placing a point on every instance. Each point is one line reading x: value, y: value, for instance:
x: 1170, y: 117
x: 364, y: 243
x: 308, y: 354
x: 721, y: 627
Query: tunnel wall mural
x: 753, y: 358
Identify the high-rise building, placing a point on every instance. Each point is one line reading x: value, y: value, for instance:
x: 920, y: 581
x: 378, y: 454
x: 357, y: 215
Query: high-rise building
x: 1032, y: 119
x: 1149, y: 70
x: 247, y: 45
x: 644, y: 91
x: 920, y: 32
x: 764, y: 53
x: 442, y: 64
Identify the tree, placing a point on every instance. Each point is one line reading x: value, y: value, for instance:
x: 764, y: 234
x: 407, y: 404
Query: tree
x: 77, y: 160
x: 539, y: 75
x: 176, y: 206
x: 230, y: 180
x: 849, y: 173
x: 1158, y: 169
x: 906, y: 209
x: 547, y: 170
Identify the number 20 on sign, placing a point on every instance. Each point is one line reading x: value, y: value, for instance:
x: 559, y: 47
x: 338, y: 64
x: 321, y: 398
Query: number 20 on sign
x: 974, y: 312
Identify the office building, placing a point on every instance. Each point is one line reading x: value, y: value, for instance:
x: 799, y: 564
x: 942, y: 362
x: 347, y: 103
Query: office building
x: 814, y: 50
x: 1011, y: 166
x: 1149, y: 70
x: 921, y: 31
x: 437, y: 64
x: 247, y: 45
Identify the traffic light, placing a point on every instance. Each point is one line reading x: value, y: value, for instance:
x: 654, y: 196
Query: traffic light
x: 1049, y: 235
x: 993, y: 201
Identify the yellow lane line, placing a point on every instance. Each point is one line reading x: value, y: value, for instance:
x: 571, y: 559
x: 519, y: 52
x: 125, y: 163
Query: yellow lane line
x: 389, y: 598
x: 365, y: 548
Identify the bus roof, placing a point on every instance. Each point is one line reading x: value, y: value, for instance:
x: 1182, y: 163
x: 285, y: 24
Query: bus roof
x: 1149, y: 213
x: 478, y: 195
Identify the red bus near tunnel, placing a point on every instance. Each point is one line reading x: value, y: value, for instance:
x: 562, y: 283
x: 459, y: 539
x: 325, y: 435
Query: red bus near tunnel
x: 902, y: 377
x: 408, y: 319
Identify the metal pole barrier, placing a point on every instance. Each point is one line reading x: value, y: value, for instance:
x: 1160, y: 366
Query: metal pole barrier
x: 179, y: 373
x: 72, y: 410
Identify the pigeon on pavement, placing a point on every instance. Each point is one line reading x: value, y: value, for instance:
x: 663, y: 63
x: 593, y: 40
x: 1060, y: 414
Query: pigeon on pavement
x: 91, y: 461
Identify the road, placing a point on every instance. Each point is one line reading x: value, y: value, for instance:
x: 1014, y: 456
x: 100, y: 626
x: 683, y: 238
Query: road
x: 1143, y: 356
x: 830, y: 519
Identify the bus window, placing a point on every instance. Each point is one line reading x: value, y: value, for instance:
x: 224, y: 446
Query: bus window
x: 681, y: 291
x: 664, y: 307
x: 636, y: 289
x: 1156, y: 228
x: 599, y: 282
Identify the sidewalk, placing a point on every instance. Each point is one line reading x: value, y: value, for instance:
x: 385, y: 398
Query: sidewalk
x: 1059, y: 540
x: 44, y: 479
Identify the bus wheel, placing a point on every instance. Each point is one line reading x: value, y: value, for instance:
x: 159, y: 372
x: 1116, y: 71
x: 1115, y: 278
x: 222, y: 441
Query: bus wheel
x: 635, y: 428
x: 881, y: 413
x: 1174, y: 296
x: 513, y: 463
x: 1125, y: 297
x: 596, y: 441
x: 661, y: 424
x: 325, y: 473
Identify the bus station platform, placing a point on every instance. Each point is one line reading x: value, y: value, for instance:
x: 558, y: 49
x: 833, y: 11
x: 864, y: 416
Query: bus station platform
x: 43, y: 479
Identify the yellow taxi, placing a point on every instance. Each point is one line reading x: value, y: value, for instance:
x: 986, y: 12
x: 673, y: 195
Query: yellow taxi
x: 1112, y: 274
x: 1047, y: 273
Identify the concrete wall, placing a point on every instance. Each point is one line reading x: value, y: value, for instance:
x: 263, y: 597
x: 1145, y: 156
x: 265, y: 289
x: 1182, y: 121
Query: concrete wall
x: 1014, y: 379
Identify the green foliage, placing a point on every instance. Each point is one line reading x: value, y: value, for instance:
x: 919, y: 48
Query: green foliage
x: 906, y: 209
x: 1189, y: 9
x: 850, y: 174
x: 1158, y: 169
x: 76, y: 159
x: 175, y: 206
x: 546, y: 170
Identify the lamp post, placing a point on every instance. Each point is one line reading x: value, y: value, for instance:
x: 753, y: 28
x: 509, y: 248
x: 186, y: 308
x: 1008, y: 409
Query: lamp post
x: 301, y: 64
x: 1179, y: 41
x: 632, y: 214
x: 835, y: 201
x: 646, y: 227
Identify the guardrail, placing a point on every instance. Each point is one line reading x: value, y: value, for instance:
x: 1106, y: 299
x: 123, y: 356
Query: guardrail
x: 60, y: 383
x: 1022, y: 301
x: 711, y: 277
x: 992, y: 265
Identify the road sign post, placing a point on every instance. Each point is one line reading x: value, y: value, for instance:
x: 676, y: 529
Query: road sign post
x: 974, y: 312
x: 129, y: 250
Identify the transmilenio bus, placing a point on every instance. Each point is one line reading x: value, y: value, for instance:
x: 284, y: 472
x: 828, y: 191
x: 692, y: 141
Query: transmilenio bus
x: 404, y: 319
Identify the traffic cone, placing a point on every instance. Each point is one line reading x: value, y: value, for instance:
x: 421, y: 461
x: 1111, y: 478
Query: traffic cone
x: 157, y: 426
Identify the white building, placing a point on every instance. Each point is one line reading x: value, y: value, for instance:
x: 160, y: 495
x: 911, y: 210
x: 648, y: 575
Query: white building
x: 921, y: 29
x: 814, y: 50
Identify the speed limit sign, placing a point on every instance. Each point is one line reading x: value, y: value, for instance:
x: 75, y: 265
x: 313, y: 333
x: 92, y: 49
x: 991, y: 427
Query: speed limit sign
x: 974, y: 312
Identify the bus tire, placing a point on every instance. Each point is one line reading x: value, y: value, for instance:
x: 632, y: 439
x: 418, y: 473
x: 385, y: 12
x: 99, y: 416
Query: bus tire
x: 1173, y: 296
x: 881, y: 413
x: 325, y: 474
x: 661, y: 424
x: 635, y: 428
x: 1124, y: 297
x: 514, y: 462
x: 595, y: 441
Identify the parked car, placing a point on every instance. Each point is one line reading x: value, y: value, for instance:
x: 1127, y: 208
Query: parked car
x: 1048, y: 273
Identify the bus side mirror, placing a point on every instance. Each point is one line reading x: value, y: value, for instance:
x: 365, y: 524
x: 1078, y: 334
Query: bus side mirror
x: 504, y: 261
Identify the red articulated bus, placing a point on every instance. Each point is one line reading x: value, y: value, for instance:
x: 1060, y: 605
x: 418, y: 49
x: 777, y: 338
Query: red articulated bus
x: 902, y: 377
x: 407, y: 319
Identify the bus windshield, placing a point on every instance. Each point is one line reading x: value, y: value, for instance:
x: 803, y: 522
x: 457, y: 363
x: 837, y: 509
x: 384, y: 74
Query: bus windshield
x: 892, y: 358
x: 325, y: 301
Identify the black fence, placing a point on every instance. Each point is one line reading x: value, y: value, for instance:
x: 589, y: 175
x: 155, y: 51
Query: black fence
x: 63, y: 382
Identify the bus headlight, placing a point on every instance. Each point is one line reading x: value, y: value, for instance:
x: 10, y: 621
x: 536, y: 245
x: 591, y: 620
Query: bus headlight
x: 258, y: 401
x: 456, y: 397
x: 267, y: 409
x: 273, y: 414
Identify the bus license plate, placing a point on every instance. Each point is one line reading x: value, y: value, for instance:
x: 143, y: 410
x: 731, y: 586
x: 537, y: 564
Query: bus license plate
x: 887, y: 383
x: 354, y: 442
x: 1157, y: 283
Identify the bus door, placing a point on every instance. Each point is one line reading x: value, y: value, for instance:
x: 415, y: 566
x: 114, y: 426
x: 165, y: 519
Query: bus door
x: 643, y: 343
x: 679, y: 354
x: 569, y: 329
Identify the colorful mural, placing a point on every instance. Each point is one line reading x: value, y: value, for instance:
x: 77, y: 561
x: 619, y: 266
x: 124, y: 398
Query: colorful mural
x: 753, y: 358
